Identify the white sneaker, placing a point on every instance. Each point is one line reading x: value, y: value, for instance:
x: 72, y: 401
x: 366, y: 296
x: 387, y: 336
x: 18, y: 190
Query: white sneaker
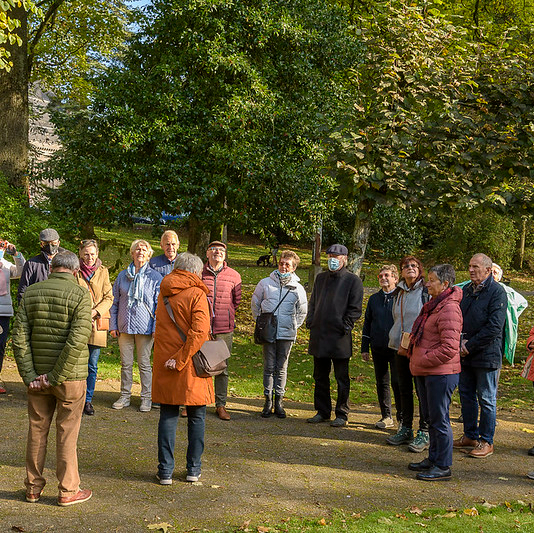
x: 164, y: 480
x: 146, y: 405
x: 384, y: 423
x: 123, y: 401
x: 192, y: 479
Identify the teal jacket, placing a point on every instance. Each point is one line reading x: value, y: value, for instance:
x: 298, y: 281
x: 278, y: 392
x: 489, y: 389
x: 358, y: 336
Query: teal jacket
x: 51, y: 330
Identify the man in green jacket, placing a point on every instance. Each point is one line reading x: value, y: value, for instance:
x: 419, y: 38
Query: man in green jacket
x: 50, y: 337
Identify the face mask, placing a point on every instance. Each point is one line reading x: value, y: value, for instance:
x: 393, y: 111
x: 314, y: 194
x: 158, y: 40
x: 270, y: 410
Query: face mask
x: 50, y: 249
x: 1, y: 254
x: 333, y: 263
x: 284, y: 275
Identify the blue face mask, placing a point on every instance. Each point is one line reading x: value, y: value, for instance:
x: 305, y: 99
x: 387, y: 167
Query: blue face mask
x: 284, y: 275
x: 333, y: 264
x: 1, y: 254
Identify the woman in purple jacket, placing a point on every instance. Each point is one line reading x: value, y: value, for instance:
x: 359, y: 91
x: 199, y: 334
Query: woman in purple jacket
x: 434, y: 354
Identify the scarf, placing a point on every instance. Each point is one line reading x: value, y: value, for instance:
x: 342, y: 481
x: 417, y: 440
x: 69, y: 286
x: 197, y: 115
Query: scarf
x: 136, y: 290
x: 420, y: 321
x: 87, y: 271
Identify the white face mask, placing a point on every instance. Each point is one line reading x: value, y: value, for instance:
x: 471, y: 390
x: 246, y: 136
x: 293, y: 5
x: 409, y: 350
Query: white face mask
x: 333, y: 264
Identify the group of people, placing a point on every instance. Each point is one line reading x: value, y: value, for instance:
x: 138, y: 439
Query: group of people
x: 438, y: 333
x: 440, y: 336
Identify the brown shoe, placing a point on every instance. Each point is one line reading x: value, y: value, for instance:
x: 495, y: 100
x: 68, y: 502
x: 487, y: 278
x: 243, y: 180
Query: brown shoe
x: 80, y: 497
x: 464, y: 442
x: 222, y: 413
x: 482, y: 449
x: 33, y: 497
x: 183, y: 414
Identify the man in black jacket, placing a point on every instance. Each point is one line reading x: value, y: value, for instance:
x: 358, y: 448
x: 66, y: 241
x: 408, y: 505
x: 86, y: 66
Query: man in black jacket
x: 335, y: 304
x: 37, y: 268
x: 483, y: 307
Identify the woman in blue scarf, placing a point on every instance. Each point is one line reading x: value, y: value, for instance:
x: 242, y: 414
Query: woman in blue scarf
x: 135, y: 295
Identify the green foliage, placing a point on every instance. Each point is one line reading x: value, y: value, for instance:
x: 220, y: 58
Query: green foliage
x: 215, y: 110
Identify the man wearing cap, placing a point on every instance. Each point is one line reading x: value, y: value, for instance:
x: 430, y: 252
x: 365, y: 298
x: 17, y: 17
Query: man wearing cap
x: 335, y: 304
x: 224, y: 284
x: 37, y: 268
x: 164, y: 263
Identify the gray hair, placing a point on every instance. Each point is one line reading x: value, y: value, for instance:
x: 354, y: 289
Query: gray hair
x: 66, y: 260
x: 189, y: 263
x: 169, y: 233
x: 485, y: 260
x: 444, y: 273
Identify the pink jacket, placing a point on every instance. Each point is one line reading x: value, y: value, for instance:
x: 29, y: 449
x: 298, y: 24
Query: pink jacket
x: 224, y: 296
x: 438, y: 352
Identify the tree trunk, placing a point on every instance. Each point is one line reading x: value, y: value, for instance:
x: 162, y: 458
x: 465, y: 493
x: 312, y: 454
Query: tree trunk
x: 360, y: 235
x: 14, y: 111
x: 199, y: 237
x: 522, y: 242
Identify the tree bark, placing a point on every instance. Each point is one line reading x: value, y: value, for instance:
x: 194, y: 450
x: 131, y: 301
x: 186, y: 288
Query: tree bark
x: 199, y: 237
x: 360, y: 235
x: 14, y: 110
x: 522, y: 241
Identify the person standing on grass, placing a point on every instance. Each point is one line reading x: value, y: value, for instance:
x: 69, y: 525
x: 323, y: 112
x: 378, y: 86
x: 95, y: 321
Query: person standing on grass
x: 375, y: 334
x: 164, y: 263
x: 224, y: 284
x: 50, y: 337
x: 335, y: 305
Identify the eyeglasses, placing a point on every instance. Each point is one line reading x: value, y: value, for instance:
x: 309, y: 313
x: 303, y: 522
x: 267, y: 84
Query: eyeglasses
x: 410, y: 265
x: 213, y: 249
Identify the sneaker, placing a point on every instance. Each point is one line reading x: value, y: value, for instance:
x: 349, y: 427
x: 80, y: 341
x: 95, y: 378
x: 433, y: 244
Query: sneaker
x: 33, y: 497
x: 339, y: 422
x: 122, y: 402
x: 464, y: 442
x: 386, y: 422
x: 145, y: 406
x: 164, y: 480
x: 481, y: 450
x: 530, y: 475
x: 80, y: 497
x: 420, y: 443
x: 192, y: 479
x: 403, y: 436
x: 88, y: 409
x: 317, y: 419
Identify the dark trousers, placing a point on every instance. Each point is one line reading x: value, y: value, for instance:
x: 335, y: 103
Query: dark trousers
x: 321, y: 375
x: 383, y: 361
x: 435, y: 394
x: 4, y: 323
x: 405, y: 379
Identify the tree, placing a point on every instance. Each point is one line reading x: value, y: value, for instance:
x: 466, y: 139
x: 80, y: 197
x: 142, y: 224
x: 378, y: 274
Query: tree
x: 60, y: 45
x: 214, y: 110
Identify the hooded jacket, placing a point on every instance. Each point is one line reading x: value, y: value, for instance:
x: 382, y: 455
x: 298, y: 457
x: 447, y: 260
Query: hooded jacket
x: 187, y: 296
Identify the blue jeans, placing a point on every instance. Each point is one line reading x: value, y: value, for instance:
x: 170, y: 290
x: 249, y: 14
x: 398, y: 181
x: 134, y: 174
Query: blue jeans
x: 275, y: 360
x: 94, y: 354
x: 478, y: 387
x: 168, y: 421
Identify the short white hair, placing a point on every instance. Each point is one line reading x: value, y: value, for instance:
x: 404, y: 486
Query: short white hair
x: 189, y: 263
x: 137, y: 242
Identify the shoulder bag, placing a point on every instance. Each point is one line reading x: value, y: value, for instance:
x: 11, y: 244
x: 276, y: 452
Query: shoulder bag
x: 267, y: 324
x: 210, y: 360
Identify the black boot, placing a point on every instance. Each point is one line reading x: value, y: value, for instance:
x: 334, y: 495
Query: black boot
x: 267, y: 406
x: 279, y: 407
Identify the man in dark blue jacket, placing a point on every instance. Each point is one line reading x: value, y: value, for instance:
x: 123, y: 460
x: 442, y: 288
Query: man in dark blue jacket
x: 484, y: 311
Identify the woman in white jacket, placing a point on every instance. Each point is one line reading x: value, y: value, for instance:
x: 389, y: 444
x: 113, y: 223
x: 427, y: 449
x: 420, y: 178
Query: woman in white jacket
x: 282, y: 293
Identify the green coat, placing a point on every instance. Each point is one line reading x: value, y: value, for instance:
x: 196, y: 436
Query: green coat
x: 51, y: 330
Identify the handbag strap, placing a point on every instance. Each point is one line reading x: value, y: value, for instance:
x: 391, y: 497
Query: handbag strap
x: 171, y: 314
x: 289, y: 289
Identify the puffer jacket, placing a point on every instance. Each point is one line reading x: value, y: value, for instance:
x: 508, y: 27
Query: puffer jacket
x: 101, y: 298
x: 438, y: 352
x: 10, y: 270
x: 292, y: 311
x: 51, y: 330
x: 406, y: 306
x: 224, y: 296
x: 139, y: 319
x: 188, y: 299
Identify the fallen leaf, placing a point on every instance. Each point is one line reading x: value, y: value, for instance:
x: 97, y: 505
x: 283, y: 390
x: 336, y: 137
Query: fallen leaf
x: 503, y: 478
x: 215, y: 486
x: 448, y: 515
x: 325, y: 444
x: 415, y: 510
x: 244, y: 525
x: 471, y: 512
x: 488, y: 505
x: 322, y: 522
x: 385, y: 520
x: 17, y: 528
x: 356, y: 515
x: 420, y: 524
x: 527, y: 430
x: 164, y: 526
x: 263, y: 529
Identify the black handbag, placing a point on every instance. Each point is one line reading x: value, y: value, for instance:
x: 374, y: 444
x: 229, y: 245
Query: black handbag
x: 210, y: 360
x: 267, y: 324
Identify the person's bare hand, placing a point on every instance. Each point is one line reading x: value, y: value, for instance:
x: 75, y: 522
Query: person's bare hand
x: 170, y: 364
x: 366, y: 356
x: 114, y: 333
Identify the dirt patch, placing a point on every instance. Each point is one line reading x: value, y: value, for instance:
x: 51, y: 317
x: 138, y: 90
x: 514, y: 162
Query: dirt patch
x: 255, y: 469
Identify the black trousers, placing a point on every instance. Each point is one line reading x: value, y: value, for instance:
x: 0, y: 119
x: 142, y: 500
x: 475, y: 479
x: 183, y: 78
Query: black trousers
x: 321, y: 375
x: 386, y: 372
x: 405, y: 379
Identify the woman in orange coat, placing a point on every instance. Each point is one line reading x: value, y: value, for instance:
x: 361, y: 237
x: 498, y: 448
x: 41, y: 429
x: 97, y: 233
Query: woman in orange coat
x: 174, y: 381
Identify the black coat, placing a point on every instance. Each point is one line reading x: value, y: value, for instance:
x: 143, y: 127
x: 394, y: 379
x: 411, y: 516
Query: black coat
x: 335, y: 304
x: 484, y: 315
x: 378, y: 321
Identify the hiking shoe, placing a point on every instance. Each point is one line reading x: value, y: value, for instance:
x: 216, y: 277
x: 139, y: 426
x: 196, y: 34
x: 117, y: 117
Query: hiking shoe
x: 339, y: 422
x: 481, y: 450
x: 386, y: 422
x: 80, y: 497
x: 164, y: 480
x: 403, y: 436
x: 192, y: 478
x: 33, y: 497
x: 420, y: 443
x: 122, y: 402
x: 464, y: 442
x: 146, y: 405
x: 317, y: 419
